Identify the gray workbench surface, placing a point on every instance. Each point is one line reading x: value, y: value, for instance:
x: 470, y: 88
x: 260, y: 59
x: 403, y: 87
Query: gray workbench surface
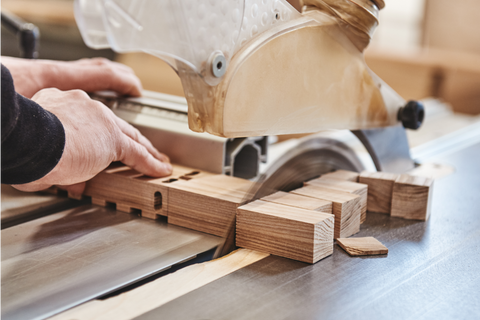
x: 432, y: 269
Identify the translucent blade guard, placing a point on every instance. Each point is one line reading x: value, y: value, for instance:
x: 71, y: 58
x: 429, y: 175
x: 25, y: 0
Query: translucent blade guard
x: 189, y: 31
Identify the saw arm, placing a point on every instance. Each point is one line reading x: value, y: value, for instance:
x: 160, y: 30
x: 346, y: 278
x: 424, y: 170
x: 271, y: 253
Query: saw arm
x: 251, y: 68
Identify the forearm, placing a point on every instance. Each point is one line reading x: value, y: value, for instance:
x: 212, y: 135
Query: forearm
x: 33, y: 139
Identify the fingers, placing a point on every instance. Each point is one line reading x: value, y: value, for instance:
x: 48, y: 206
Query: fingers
x: 136, y: 156
x: 134, y: 134
x: 75, y: 190
x: 31, y: 187
x: 95, y: 75
x: 119, y: 77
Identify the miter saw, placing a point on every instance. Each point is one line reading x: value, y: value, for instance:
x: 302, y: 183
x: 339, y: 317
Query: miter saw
x: 252, y: 69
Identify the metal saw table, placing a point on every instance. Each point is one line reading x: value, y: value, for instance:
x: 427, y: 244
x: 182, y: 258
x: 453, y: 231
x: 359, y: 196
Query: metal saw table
x: 432, y: 270
x: 56, y: 261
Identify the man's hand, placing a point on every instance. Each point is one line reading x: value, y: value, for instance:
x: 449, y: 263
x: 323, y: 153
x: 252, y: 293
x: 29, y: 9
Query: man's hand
x: 94, y: 138
x: 31, y: 76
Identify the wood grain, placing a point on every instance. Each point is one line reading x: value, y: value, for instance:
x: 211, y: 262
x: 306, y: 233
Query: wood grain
x: 346, y: 208
x: 208, y: 204
x: 130, y: 190
x: 138, y: 301
x: 347, y: 186
x: 411, y: 197
x: 299, y: 201
x: 342, y: 175
x: 285, y: 231
x: 380, y: 188
x: 362, y: 246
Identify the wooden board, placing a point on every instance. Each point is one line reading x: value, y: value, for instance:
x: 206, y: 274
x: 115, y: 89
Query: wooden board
x: 285, y: 231
x: 362, y: 246
x: 346, y: 208
x: 449, y: 74
x: 411, y: 197
x: 299, y: 201
x: 342, y: 175
x: 208, y: 204
x: 130, y: 190
x: 452, y: 26
x: 380, y: 188
x: 347, y: 186
x: 132, y: 304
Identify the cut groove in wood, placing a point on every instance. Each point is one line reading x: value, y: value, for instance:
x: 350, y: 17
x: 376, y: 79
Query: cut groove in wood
x: 362, y: 246
x: 128, y: 188
x: 286, y: 231
x: 346, y: 208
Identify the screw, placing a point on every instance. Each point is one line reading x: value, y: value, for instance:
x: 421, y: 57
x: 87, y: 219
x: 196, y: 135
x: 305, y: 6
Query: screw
x: 219, y: 64
x: 412, y: 114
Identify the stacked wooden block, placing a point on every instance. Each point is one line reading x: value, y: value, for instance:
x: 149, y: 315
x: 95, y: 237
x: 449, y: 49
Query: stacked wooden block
x: 303, y: 223
x: 400, y: 195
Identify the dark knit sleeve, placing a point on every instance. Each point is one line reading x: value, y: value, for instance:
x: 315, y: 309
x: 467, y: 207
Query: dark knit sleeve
x: 32, y: 138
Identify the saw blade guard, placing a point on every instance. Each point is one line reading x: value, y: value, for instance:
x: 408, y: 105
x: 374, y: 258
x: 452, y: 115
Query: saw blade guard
x: 188, y: 31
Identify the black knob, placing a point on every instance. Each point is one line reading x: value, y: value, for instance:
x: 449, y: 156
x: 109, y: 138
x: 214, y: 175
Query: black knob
x: 412, y: 114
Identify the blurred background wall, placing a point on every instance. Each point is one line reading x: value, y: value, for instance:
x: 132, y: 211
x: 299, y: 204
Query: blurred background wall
x: 422, y: 48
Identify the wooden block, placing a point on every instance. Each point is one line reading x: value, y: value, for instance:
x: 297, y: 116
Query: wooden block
x: 75, y: 196
x: 380, y: 188
x: 342, y: 175
x: 411, y: 197
x: 362, y: 246
x: 124, y: 208
x: 285, y: 231
x: 346, y: 208
x: 208, y: 204
x: 99, y: 202
x: 303, y: 202
x: 347, y: 186
x: 129, y: 189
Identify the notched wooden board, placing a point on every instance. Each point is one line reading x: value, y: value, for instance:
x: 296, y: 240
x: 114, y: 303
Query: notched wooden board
x: 132, y: 191
x: 207, y: 204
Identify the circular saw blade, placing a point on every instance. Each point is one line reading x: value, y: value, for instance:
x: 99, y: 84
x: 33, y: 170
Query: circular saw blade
x: 310, y: 159
x: 304, y: 162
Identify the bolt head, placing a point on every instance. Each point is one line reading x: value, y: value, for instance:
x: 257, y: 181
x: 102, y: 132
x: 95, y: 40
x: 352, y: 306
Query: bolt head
x: 219, y: 64
x: 412, y: 115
